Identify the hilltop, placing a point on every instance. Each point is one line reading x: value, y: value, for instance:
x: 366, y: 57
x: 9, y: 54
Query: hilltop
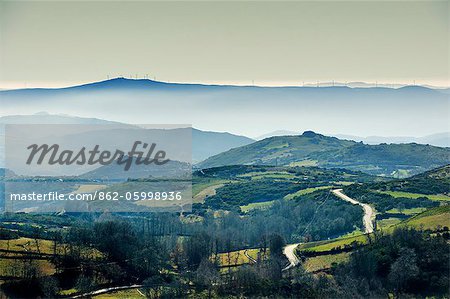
x: 310, y: 148
x: 277, y: 150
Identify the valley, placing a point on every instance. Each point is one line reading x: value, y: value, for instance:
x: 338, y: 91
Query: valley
x: 265, y: 213
x: 313, y: 149
x: 249, y: 213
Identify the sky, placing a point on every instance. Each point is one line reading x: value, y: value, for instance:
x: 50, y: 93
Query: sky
x: 51, y: 44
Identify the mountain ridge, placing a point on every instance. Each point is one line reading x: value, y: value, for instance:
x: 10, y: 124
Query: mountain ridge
x: 121, y: 82
x: 310, y: 148
x: 213, y: 106
x: 204, y: 143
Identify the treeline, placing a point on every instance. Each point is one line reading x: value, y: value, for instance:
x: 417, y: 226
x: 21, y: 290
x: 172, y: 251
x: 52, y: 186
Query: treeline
x: 312, y: 174
x: 313, y: 216
x: 436, y: 181
x: 405, y: 262
x: 113, y: 253
x: 93, y: 255
x: 384, y: 202
x: 233, y: 195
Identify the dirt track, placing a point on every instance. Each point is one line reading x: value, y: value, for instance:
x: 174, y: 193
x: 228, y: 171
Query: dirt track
x: 368, y: 211
x: 369, y: 214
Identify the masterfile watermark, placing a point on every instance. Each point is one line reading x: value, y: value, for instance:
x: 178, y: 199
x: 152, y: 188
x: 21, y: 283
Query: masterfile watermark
x: 97, y: 168
x: 95, y: 156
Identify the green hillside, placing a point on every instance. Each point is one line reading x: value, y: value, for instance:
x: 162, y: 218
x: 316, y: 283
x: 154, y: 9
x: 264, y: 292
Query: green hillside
x: 397, y: 160
x: 244, y: 187
x: 432, y: 182
x: 281, y: 150
x: 431, y: 219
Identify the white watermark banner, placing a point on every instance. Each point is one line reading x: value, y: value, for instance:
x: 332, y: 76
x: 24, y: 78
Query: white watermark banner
x: 97, y: 168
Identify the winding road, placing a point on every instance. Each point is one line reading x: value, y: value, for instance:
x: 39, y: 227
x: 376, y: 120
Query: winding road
x: 368, y: 210
x: 249, y: 257
x: 369, y: 214
x: 289, y: 252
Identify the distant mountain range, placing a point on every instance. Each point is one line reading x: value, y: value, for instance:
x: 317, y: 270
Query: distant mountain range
x: 249, y: 110
x: 310, y: 148
x: 61, y: 119
x: 204, y: 143
x: 440, y: 139
x: 367, y: 85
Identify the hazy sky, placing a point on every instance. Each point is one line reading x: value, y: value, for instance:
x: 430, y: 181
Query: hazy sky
x: 272, y: 43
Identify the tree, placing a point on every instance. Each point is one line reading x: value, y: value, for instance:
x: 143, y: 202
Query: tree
x: 403, y: 270
x: 49, y: 286
x: 207, y: 275
x: 276, y: 245
x: 84, y: 284
x: 197, y: 248
x: 247, y: 280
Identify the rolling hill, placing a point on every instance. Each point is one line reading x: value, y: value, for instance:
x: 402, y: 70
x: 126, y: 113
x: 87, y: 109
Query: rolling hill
x: 310, y: 148
x: 435, y: 181
x: 439, y: 139
x: 204, y: 143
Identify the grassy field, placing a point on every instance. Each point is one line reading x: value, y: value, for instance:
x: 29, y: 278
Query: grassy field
x: 89, y: 188
x: 68, y: 292
x: 197, y: 187
x: 343, y: 183
x: 11, y: 267
x: 412, y: 211
x: 257, y: 205
x: 323, y: 262
x: 45, y: 246
x: 237, y: 258
x: 430, y: 219
x: 305, y: 191
x: 438, y: 197
x: 27, y: 244
x: 208, y: 191
x: 124, y: 294
x: 327, y: 245
x: 267, y: 204
x: 268, y: 175
x: 356, y: 232
x: 385, y: 223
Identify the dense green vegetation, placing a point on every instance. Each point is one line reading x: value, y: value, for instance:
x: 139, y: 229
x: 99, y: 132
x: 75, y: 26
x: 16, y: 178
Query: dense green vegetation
x: 280, y: 150
x: 384, y: 202
x: 436, y: 181
x: 296, y: 174
x: 393, y: 199
x: 435, y: 219
x: 404, y: 262
x: 195, y: 254
x: 249, y: 184
x: 313, y: 216
x: 384, y: 159
x: 237, y: 194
